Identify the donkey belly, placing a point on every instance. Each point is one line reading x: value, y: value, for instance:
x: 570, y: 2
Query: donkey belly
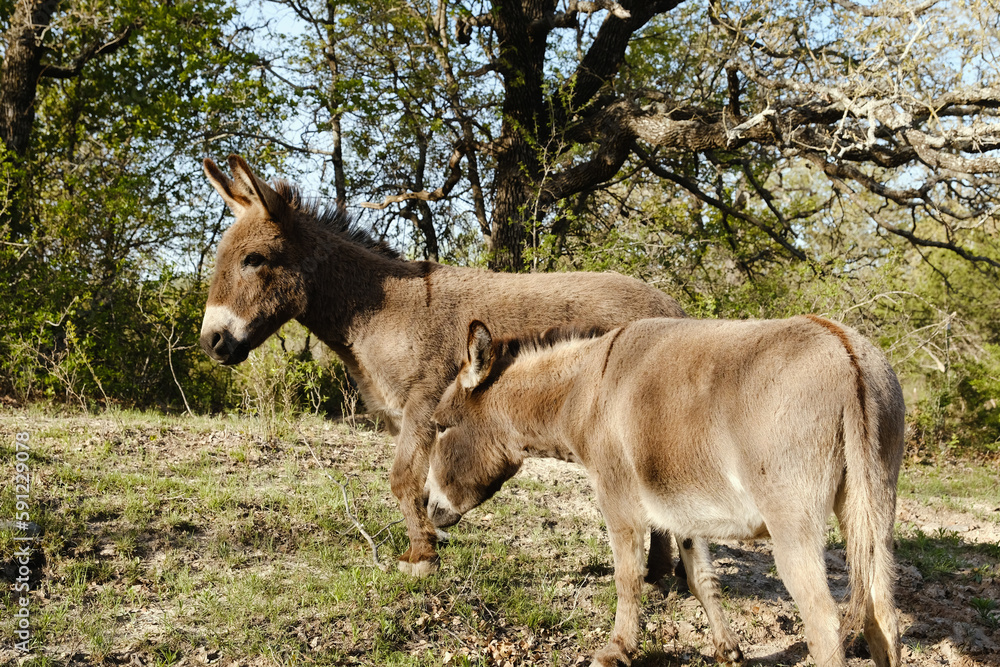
x: 721, y: 513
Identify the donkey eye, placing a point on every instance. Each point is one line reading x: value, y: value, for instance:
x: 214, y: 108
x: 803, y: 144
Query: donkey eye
x: 441, y: 428
x: 254, y: 259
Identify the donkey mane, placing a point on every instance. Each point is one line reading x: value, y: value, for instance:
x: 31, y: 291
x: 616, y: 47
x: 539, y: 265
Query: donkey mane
x: 335, y: 219
x: 509, y: 349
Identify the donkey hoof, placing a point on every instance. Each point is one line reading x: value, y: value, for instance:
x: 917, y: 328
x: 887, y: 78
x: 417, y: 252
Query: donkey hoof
x: 422, y: 568
x: 729, y: 655
x: 611, y: 655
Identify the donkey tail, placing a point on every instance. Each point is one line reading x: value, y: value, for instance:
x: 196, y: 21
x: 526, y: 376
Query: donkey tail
x: 873, y: 444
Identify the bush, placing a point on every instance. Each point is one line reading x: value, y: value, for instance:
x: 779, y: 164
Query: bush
x: 290, y: 374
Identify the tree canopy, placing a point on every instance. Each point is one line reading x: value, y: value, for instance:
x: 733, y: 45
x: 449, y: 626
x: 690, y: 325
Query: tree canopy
x: 752, y: 158
x: 105, y: 111
x: 521, y: 113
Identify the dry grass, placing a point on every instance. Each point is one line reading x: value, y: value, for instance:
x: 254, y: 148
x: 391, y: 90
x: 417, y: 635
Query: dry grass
x: 196, y: 541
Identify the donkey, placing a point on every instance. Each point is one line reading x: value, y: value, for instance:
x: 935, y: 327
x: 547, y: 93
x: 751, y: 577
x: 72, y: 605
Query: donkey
x: 712, y: 429
x: 391, y: 321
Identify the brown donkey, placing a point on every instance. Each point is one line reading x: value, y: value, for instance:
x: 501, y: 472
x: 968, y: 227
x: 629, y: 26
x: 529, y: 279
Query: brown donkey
x: 714, y: 429
x: 394, y: 323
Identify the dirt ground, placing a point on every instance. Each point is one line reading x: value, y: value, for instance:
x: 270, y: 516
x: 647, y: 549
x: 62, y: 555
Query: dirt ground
x: 947, y: 550
x: 939, y: 624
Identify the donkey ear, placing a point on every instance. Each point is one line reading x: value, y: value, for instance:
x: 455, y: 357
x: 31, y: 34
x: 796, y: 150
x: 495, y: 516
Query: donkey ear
x: 481, y: 354
x: 272, y: 202
x: 235, y: 199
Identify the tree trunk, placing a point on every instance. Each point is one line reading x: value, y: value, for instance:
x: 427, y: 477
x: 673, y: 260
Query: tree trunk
x: 339, y: 176
x: 21, y: 69
x: 525, y: 126
x: 19, y: 74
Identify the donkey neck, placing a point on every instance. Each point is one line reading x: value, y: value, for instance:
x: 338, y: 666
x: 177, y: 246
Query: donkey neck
x: 348, y: 283
x: 544, y: 397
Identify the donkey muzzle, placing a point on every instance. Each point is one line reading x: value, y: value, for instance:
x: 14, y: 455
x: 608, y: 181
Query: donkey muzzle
x: 223, y: 347
x: 224, y: 335
x: 441, y: 516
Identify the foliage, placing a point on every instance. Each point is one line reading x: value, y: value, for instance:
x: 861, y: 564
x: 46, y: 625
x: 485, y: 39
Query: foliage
x: 107, y: 225
x: 795, y: 121
x: 289, y: 374
x: 104, y: 239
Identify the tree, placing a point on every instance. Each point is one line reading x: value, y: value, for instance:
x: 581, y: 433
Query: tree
x: 108, y: 108
x: 33, y: 50
x: 535, y: 107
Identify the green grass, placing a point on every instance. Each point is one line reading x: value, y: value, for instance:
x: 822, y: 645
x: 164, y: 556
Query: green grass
x: 968, y: 488
x: 960, y: 487
x: 172, y: 539
x: 164, y: 537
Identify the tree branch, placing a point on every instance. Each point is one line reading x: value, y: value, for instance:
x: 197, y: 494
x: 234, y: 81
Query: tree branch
x: 929, y: 243
x: 927, y: 147
x: 95, y: 50
x: 465, y: 24
x: 693, y: 188
x: 607, y: 51
x: 454, y: 175
x: 570, y: 18
x: 347, y: 510
x: 882, y: 10
x: 611, y: 153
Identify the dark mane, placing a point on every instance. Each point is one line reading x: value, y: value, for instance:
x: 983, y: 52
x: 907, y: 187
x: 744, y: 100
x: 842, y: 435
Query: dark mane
x: 335, y: 219
x: 510, y: 348
x: 506, y: 350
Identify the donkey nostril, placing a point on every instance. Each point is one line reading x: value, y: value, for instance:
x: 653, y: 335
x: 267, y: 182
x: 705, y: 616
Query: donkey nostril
x: 216, y: 340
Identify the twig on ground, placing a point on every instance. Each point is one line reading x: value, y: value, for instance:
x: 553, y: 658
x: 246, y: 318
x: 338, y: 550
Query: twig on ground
x: 350, y: 514
x: 385, y: 528
x: 576, y: 601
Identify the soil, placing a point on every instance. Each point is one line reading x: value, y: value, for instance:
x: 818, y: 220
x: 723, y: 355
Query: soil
x: 940, y: 621
x: 940, y: 626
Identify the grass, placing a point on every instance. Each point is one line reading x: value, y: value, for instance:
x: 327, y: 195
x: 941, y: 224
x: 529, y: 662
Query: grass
x: 176, y: 540
x: 967, y: 488
x: 943, y: 553
x: 172, y: 537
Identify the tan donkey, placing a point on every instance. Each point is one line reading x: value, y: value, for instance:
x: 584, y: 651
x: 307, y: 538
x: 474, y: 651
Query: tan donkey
x: 394, y: 323
x: 713, y: 429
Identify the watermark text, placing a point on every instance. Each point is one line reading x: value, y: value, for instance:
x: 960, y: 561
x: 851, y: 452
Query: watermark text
x: 22, y: 551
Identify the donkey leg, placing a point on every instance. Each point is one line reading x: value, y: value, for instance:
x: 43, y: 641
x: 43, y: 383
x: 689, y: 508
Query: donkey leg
x: 799, y: 558
x: 882, y: 626
x: 626, y: 534
x: 660, y: 558
x: 704, y: 584
x: 881, y: 619
x: 406, y: 479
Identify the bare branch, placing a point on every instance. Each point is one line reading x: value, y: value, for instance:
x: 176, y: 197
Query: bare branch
x: 735, y: 134
x: 568, y: 19
x: 693, y: 188
x: 659, y: 127
x: 611, y: 153
x: 479, y: 71
x: 347, y: 510
x: 93, y: 51
x: 930, y: 243
x: 840, y: 171
x: 588, y: 7
x: 882, y: 9
x: 263, y: 137
x: 465, y: 24
x: 607, y: 52
x: 927, y: 149
x: 454, y: 175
